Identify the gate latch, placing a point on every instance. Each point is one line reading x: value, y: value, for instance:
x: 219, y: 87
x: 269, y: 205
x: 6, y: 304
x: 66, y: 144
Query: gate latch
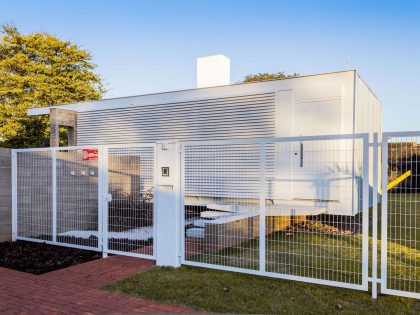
x: 108, y: 197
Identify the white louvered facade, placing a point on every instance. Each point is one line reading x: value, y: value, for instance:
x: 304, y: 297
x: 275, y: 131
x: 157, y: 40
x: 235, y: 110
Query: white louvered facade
x: 219, y: 118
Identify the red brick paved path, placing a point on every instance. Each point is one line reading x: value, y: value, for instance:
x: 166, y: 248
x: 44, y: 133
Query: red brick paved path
x: 75, y: 290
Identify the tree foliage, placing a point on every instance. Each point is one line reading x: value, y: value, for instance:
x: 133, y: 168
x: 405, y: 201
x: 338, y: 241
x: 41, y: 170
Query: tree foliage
x: 268, y: 76
x: 37, y: 70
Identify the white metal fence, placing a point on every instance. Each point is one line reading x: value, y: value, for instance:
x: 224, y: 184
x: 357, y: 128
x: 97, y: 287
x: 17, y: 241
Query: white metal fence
x: 322, y: 209
x: 400, y: 237
x: 98, y: 197
x: 293, y: 208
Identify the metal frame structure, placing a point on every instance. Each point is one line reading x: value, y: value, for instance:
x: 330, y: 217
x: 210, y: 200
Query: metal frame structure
x: 262, y: 142
x: 103, y: 198
x: 108, y: 197
x: 386, y: 264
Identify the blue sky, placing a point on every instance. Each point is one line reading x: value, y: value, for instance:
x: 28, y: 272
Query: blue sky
x: 151, y: 46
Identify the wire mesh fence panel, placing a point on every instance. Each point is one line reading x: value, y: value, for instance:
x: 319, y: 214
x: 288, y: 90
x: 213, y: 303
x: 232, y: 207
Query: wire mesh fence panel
x: 313, y: 209
x: 77, y: 197
x: 34, y: 195
x: 131, y: 210
x: 401, y: 216
x: 292, y: 208
x: 221, y: 200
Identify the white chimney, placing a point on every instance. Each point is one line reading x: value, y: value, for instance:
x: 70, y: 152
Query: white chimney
x: 213, y: 71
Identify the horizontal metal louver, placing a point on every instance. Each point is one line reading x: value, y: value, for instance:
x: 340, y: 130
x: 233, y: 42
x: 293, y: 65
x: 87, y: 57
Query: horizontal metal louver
x: 218, y: 118
x: 230, y: 171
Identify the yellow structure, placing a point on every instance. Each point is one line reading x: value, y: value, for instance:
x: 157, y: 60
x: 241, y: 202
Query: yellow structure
x: 398, y: 180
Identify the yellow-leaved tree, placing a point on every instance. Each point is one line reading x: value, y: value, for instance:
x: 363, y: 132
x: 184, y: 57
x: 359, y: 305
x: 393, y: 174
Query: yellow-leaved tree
x: 36, y: 70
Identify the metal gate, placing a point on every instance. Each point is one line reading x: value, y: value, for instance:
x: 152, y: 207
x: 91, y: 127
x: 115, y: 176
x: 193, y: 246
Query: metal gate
x: 292, y: 208
x: 97, y: 197
x: 130, y: 227
x: 400, y: 243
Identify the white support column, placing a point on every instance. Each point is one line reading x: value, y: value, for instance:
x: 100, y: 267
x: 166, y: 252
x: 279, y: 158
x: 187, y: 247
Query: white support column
x: 54, y: 194
x: 167, y: 202
x: 14, y: 196
x: 375, y: 219
x: 262, y: 227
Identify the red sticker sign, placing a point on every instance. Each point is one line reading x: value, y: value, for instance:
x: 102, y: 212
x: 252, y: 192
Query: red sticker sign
x: 89, y: 154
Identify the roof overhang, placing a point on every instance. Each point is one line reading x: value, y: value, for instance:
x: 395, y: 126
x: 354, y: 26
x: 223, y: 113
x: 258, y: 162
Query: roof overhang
x: 185, y: 95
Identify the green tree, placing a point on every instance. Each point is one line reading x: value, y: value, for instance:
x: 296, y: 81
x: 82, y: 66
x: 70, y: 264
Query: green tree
x: 268, y: 76
x: 37, y: 70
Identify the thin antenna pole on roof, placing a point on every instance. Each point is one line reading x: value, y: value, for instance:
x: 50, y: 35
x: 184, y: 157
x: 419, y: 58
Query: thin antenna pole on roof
x: 348, y: 61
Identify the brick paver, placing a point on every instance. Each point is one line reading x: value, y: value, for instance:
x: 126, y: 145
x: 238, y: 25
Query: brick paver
x: 75, y: 290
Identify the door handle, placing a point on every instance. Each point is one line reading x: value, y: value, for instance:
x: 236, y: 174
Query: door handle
x: 301, y: 154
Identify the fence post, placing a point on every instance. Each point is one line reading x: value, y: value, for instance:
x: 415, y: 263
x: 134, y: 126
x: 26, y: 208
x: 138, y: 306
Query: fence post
x: 181, y: 202
x: 103, y: 199
x: 262, y: 226
x: 384, y: 214
x: 365, y: 213
x: 100, y: 198
x: 14, y: 196
x: 375, y: 218
x: 54, y: 194
x: 155, y: 189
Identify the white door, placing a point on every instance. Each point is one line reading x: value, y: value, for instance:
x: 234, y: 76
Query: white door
x: 316, y: 163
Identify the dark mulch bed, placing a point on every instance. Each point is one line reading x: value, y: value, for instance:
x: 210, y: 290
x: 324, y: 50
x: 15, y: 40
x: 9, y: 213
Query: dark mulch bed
x: 39, y: 258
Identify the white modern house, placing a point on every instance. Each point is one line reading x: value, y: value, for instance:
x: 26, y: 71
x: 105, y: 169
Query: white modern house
x: 310, y: 105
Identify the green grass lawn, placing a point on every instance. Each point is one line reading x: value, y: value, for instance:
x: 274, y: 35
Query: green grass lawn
x: 312, y: 254
x: 404, y: 219
x: 404, y: 242
x: 228, y: 292
x: 306, y: 254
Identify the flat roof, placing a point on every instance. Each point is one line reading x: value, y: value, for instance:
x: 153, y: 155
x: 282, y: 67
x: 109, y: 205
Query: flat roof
x: 162, y: 97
